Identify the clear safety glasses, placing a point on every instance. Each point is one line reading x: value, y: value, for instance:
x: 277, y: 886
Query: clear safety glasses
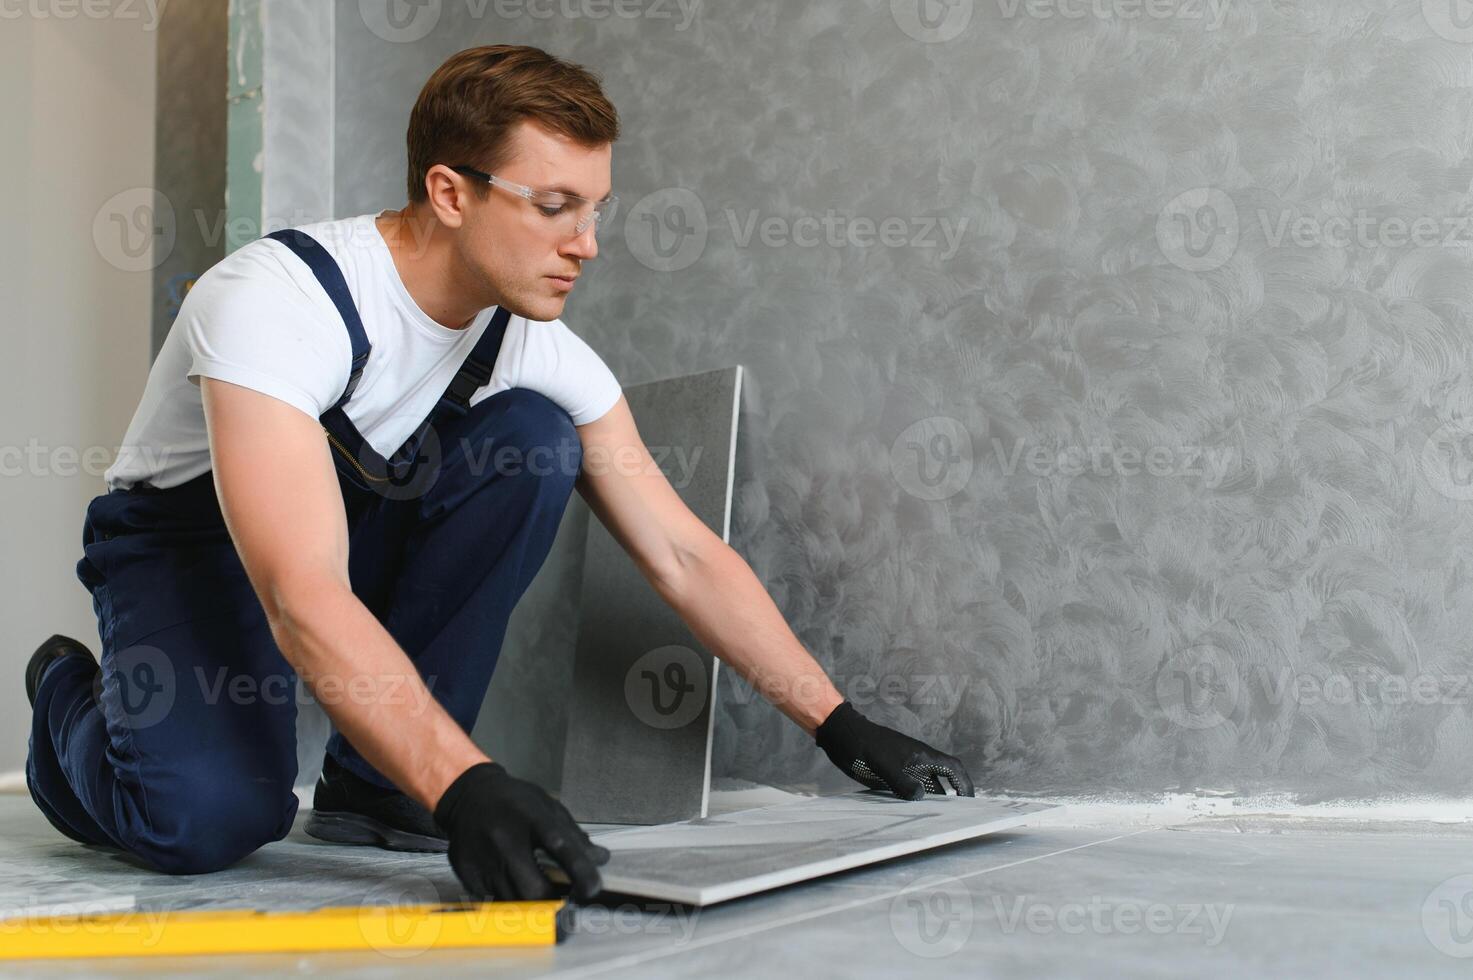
x: 570, y: 214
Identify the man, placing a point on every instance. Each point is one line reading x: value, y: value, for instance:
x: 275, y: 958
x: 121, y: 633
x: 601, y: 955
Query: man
x: 309, y: 492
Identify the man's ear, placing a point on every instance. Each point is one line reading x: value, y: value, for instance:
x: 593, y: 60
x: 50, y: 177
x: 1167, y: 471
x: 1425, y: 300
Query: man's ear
x: 449, y: 194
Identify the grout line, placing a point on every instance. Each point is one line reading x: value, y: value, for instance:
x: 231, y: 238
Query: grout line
x: 635, y: 959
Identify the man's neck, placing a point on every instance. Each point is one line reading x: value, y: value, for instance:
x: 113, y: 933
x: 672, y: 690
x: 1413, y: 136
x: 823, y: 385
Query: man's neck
x: 422, y: 255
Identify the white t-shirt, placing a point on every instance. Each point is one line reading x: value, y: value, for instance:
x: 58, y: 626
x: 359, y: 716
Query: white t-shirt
x: 260, y: 319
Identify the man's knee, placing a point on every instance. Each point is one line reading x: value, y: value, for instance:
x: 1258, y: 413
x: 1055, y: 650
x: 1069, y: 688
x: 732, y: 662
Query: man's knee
x: 213, y: 829
x: 535, y: 437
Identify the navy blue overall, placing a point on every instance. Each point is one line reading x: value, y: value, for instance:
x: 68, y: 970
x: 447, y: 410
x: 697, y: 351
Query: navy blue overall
x: 185, y: 755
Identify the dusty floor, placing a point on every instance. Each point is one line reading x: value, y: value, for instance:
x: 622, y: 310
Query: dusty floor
x: 1206, y: 897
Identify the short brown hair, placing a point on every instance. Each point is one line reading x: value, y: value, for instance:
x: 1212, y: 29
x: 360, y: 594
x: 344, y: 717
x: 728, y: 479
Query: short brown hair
x: 465, y: 112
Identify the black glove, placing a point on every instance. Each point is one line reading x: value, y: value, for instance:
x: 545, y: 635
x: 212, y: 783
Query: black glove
x: 883, y: 758
x: 494, y: 822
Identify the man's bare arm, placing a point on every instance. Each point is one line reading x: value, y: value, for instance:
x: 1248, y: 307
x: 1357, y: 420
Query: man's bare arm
x: 283, y: 507
x: 721, y: 599
x: 729, y: 611
x: 712, y: 588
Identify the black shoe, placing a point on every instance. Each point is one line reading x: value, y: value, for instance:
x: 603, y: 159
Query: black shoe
x: 347, y: 809
x: 55, y: 648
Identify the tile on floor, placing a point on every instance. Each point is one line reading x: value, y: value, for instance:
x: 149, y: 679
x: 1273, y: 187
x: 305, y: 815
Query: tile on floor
x: 1199, y: 900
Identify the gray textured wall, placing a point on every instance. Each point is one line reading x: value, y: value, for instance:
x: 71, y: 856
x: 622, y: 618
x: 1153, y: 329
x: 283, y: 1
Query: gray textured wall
x: 1106, y: 359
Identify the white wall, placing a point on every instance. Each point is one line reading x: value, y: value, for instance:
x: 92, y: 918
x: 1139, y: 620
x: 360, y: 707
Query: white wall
x: 77, y: 113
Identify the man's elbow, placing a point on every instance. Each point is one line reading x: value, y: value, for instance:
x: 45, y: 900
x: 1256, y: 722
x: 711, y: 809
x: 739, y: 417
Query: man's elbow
x: 295, y: 600
x: 687, y: 564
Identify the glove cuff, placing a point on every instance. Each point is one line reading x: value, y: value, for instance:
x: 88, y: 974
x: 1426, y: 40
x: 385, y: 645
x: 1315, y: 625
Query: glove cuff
x: 445, y: 809
x: 841, y: 718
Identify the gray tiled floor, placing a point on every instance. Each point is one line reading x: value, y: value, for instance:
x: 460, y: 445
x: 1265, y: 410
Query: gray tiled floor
x: 1211, y: 898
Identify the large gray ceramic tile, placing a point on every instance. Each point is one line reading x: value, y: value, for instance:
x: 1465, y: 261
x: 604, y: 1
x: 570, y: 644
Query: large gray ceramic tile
x: 705, y: 861
x: 639, y: 736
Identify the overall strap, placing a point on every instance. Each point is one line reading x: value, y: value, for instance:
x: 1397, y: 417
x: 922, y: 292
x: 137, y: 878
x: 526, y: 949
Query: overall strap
x: 476, y: 370
x: 312, y: 252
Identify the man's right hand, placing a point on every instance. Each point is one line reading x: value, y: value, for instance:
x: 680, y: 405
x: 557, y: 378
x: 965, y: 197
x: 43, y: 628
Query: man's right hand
x: 495, y: 820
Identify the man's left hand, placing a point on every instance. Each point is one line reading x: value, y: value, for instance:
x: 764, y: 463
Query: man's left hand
x: 883, y: 758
